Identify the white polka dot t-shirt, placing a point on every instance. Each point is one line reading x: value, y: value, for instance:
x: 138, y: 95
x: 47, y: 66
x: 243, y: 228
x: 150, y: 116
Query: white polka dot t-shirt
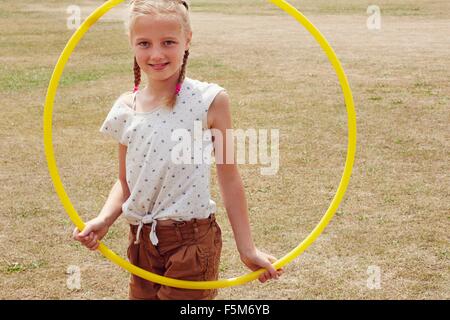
x: 168, y: 157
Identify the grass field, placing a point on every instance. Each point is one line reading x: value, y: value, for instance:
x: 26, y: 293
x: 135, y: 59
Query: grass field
x: 395, y: 215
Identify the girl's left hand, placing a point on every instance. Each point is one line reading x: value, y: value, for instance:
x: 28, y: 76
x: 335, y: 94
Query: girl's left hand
x: 257, y: 259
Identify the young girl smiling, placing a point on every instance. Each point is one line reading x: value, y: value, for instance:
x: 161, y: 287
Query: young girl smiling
x: 173, y: 229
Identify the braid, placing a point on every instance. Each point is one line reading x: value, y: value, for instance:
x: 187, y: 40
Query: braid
x: 137, y: 75
x: 171, y: 101
x: 184, y: 3
x: 183, y: 67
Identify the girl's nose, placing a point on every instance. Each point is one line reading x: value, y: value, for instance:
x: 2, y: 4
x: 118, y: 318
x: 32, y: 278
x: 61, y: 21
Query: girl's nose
x: 156, y: 55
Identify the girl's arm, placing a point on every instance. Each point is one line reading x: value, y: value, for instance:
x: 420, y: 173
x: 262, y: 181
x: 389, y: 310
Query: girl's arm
x: 119, y: 192
x: 112, y: 208
x: 98, y: 227
x: 232, y: 189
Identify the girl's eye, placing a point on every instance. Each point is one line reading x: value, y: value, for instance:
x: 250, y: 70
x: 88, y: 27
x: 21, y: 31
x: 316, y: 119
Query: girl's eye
x: 145, y: 43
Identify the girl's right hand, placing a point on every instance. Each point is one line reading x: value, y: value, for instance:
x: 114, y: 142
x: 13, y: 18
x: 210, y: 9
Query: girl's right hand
x: 93, y: 232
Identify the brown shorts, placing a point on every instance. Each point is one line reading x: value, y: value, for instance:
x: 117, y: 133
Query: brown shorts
x: 187, y: 250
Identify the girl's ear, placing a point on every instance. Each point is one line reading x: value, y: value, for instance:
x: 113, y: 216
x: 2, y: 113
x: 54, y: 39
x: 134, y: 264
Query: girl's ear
x: 188, y: 41
x: 130, y: 43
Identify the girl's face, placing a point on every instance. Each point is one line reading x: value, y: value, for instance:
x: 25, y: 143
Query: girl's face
x: 159, y: 44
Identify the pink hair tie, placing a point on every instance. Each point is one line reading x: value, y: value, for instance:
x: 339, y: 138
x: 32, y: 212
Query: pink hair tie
x: 178, y: 88
x: 136, y: 88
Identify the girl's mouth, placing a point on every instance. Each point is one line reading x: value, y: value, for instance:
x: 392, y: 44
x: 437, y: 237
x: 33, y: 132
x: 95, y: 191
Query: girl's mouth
x: 159, y: 67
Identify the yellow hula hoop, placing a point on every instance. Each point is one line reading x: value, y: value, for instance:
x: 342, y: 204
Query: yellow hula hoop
x: 351, y: 149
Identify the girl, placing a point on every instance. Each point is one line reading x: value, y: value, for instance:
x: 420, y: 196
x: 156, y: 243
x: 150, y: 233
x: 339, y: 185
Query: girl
x: 173, y: 231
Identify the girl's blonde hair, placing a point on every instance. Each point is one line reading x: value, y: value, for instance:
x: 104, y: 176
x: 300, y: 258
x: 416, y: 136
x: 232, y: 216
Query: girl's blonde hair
x: 176, y: 8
